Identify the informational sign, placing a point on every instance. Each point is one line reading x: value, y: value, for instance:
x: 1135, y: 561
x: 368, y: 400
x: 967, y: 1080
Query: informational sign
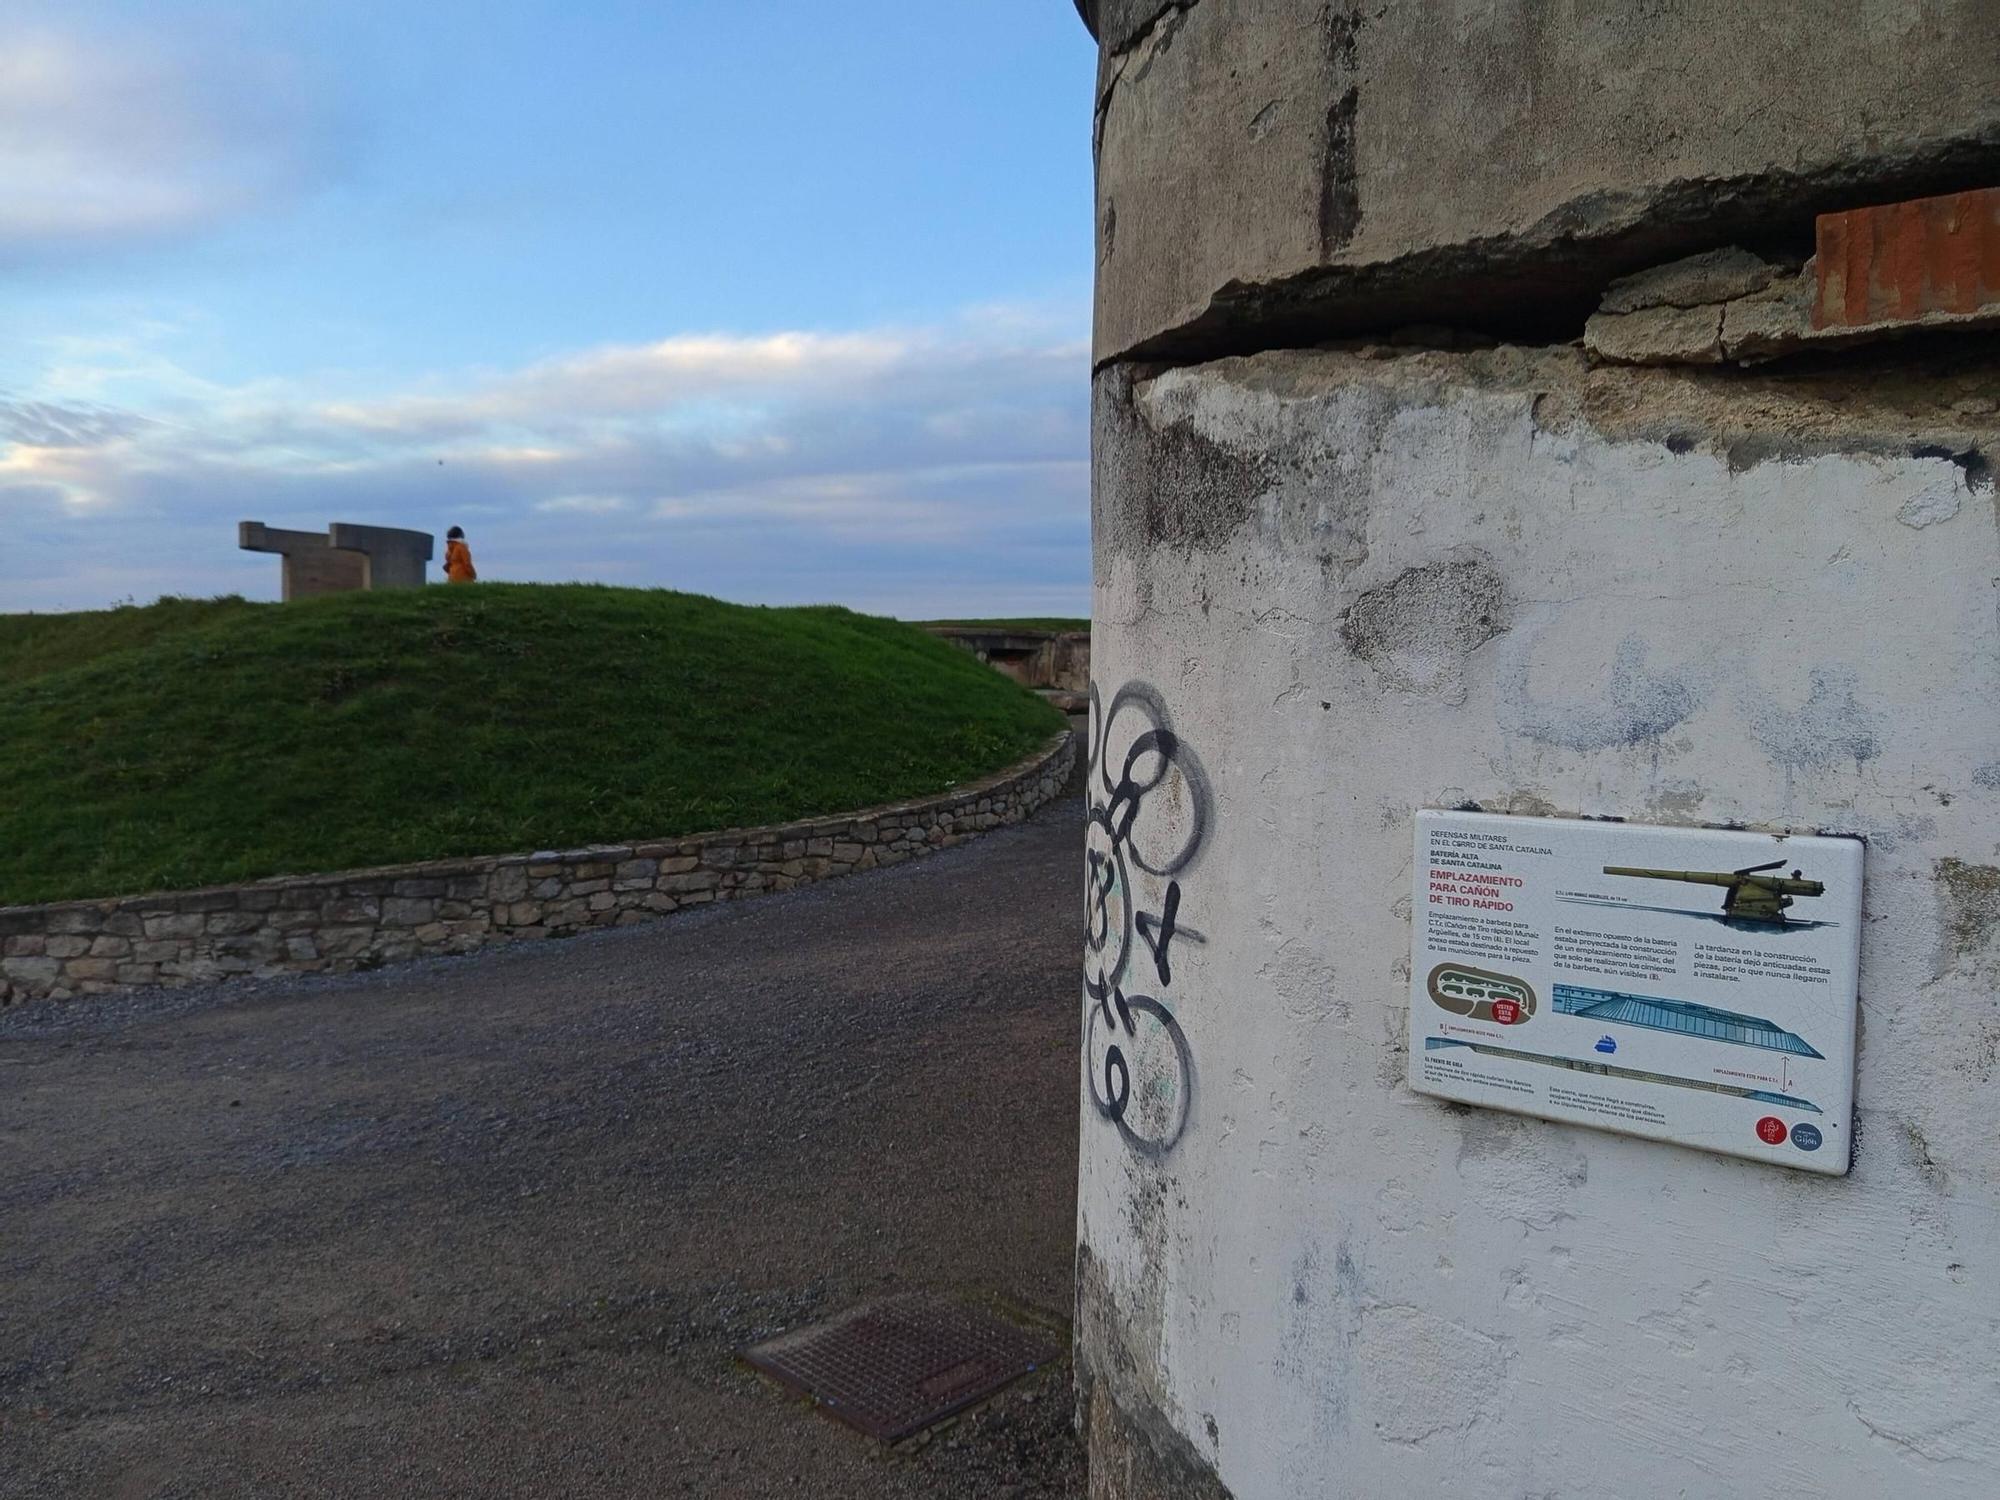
x: 1685, y: 984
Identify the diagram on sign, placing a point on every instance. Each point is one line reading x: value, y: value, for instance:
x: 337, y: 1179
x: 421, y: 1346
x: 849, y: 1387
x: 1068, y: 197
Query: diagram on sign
x: 1555, y: 973
x: 1605, y: 1070
x: 1466, y: 991
x: 1678, y: 1016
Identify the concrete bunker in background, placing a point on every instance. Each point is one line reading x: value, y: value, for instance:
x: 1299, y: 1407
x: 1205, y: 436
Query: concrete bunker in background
x: 1055, y: 663
x: 342, y: 557
x: 1476, y: 557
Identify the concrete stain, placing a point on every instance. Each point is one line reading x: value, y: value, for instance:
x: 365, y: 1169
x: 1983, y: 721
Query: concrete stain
x: 1677, y: 799
x: 1934, y: 505
x: 1136, y: 1449
x: 1181, y: 489
x: 1340, y: 195
x: 1458, y: 1374
x: 1831, y: 728
x: 1316, y: 1334
x: 1419, y: 630
x: 1636, y: 706
x: 1919, y: 1153
x: 1973, y: 465
x: 1266, y: 119
x: 1339, y: 179
x: 1970, y: 895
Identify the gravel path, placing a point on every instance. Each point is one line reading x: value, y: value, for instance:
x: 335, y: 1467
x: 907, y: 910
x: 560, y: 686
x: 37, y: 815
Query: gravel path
x: 494, y: 1226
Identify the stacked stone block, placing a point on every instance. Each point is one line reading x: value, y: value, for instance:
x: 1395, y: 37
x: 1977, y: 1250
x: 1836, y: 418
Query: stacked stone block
x: 365, y: 918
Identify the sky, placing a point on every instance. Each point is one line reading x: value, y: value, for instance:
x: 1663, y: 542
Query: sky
x: 777, y: 300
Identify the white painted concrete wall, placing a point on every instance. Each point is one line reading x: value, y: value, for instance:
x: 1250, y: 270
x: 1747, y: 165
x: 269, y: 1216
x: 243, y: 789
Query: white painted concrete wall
x: 1333, y: 1287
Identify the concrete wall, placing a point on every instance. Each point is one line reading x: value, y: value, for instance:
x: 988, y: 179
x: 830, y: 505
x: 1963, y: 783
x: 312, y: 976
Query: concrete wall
x: 1268, y: 165
x: 1353, y: 585
x: 365, y: 918
x: 1057, y: 661
x: 344, y: 557
x: 311, y: 564
x: 1337, y: 582
x: 394, y: 558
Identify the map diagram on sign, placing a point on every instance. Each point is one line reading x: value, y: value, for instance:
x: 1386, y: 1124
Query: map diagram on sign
x: 1687, y: 985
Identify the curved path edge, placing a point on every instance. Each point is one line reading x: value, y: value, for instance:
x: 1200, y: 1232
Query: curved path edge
x: 354, y: 919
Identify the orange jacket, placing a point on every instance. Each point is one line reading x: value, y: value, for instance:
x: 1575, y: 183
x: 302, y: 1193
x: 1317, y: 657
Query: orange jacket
x: 458, y: 563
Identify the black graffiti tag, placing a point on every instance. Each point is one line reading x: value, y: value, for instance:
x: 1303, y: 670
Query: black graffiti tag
x: 1150, y: 1121
x: 1158, y: 932
x: 1151, y: 816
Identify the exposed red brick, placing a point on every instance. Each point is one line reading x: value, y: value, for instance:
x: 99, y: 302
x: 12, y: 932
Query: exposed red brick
x: 1901, y: 261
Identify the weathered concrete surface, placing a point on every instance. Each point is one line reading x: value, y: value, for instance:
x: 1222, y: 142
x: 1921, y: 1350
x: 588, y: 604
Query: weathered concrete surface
x: 1713, y: 276
x: 1771, y: 322
x: 344, y: 557
x: 1055, y: 661
x: 395, y: 558
x: 1135, y: 1451
x: 1354, y: 582
x: 1278, y: 170
x: 1928, y: 265
x: 494, y: 1226
x: 311, y: 565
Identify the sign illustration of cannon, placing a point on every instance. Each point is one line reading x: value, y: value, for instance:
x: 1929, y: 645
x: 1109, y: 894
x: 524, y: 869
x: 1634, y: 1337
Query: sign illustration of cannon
x: 1754, y: 895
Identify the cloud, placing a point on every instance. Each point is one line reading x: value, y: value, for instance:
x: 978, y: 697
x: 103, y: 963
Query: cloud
x: 48, y: 424
x: 940, y: 469
x: 107, y: 139
x: 711, y: 381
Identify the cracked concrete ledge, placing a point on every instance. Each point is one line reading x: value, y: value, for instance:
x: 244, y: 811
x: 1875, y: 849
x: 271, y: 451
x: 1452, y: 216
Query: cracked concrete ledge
x: 1118, y: 25
x: 1227, y: 128
x: 1541, y: 284
x: 1133, y: 21
x: 1729, y: 305
x: 1151, y: 30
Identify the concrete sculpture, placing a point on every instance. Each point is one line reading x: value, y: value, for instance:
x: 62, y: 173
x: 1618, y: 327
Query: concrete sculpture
x: 343, y: 557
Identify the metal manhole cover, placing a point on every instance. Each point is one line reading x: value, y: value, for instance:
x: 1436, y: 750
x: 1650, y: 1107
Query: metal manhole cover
x: 894, y: 1367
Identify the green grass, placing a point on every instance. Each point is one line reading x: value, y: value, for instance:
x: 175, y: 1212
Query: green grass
x: 1033, y: 622
x: 31, y: 645
x: 197, y: 742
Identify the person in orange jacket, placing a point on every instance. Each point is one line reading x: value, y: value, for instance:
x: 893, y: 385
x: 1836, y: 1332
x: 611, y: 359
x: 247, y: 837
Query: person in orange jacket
x: 458, y: 557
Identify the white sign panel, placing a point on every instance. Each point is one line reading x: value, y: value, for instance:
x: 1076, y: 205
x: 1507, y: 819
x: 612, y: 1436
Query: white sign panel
x: 1680, y: 983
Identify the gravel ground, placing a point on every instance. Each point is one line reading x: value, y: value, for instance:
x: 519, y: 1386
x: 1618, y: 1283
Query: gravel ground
x: 495, y: 1226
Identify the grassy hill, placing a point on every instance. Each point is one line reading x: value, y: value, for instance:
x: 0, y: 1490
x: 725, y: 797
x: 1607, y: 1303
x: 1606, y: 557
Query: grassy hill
x: 31, y: 645
x: 195, y: 742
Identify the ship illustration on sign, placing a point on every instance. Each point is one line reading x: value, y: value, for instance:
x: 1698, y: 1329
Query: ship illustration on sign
x: 1754, y: 894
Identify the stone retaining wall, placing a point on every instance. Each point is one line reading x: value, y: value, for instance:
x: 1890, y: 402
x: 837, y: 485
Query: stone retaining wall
x: 364, y: 918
